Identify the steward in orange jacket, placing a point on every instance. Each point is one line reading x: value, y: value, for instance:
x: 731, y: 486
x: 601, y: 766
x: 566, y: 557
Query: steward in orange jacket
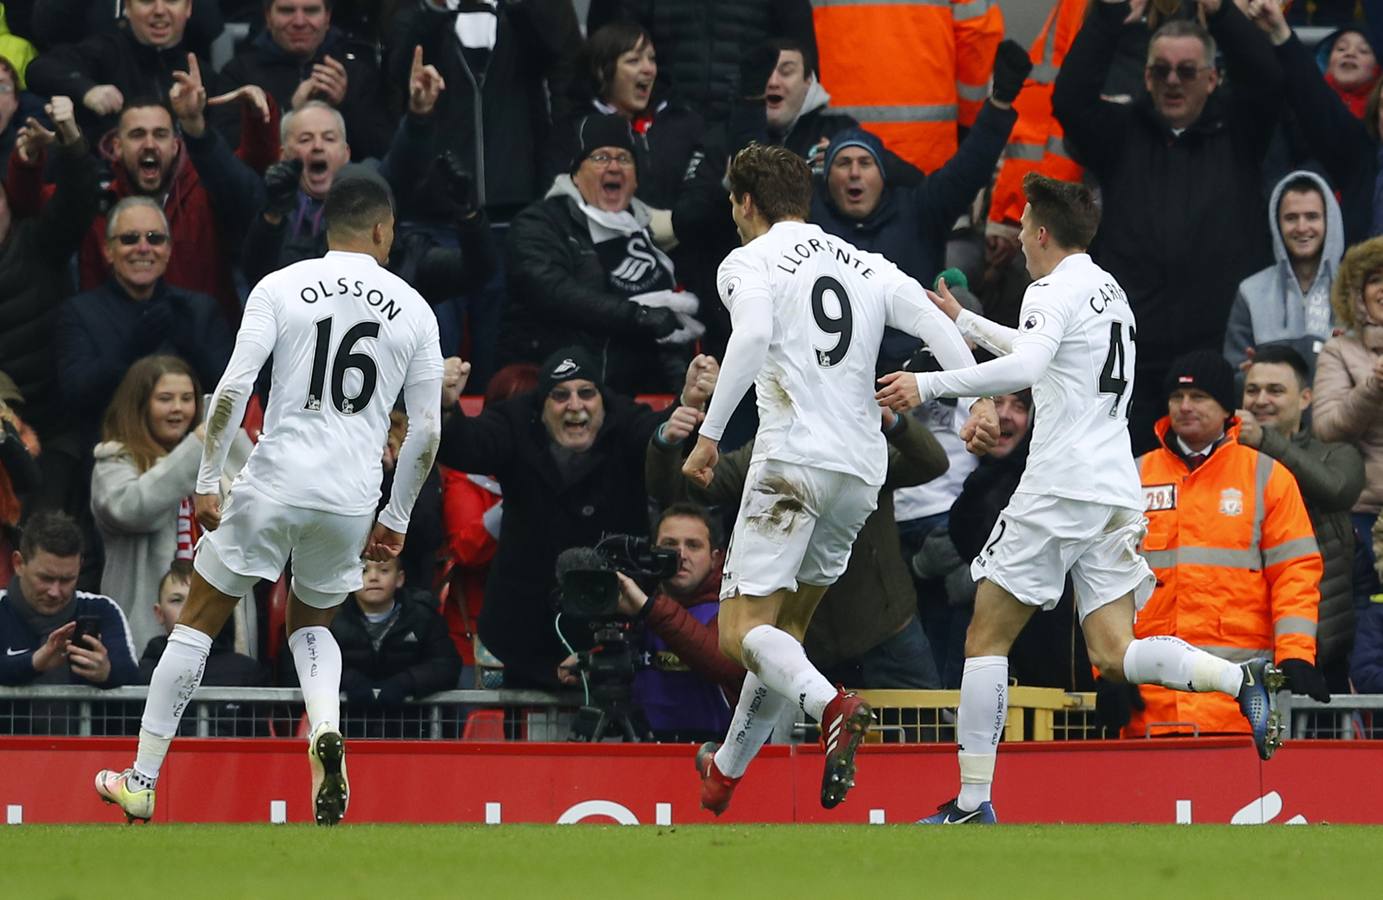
x: 1238, y: 570
x: 910, y: 72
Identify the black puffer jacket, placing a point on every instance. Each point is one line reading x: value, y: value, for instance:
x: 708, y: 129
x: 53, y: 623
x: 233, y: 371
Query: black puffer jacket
x: 502, y: 109
x: 700, y: 42
x: 34, y: 281
x: 545, y: 513
x: 416, y: 653
x: 368, y: 124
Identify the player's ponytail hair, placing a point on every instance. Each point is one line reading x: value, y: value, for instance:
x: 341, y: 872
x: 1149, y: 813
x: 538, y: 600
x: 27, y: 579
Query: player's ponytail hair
x: 1067, y: 209
x: 778, y: 179
x: 127, y: 417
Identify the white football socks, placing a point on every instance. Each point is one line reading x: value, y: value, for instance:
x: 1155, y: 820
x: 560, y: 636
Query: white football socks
x: 757, y: 711
x: 780, y: 662
x: 979, y: 723
x: 317, y: 658
x: 176, y: 677
x: 1173, y: 663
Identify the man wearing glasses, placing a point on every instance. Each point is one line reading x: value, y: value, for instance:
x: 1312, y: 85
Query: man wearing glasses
x: 585, y: 270
x: 134, y: 313
x: 1180, y: 169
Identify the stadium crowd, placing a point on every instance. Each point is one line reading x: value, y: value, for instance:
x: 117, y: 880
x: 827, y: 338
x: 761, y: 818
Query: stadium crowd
x: 560, y: 202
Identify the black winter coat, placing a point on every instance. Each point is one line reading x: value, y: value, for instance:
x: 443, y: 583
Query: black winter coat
x: 700, y: 42
x: 34, y: 281
x: 545, y: 513
x: 416, y: 653
x: 368, y: 123
x: 502, y: 109
x: 115, y: 57
x: 911, y: 224
x: 1183, y: 216
x: 559, y: 295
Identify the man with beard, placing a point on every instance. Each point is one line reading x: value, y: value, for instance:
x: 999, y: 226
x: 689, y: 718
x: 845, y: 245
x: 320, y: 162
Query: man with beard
x: 208, y: 194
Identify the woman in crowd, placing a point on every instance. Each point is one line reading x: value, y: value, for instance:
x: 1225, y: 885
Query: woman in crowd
x: 142, y: 486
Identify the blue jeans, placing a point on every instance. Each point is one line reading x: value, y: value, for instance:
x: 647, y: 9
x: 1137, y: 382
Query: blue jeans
x: 901, y: 662
x: 1365, y: 566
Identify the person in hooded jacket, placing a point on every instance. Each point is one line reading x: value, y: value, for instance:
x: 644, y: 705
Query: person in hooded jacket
x: 1289, y: 301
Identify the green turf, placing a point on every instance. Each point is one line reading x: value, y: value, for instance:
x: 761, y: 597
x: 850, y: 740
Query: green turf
x: 535, y: 862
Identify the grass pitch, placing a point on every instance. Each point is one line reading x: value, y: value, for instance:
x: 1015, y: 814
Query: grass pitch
x: 536, y: 862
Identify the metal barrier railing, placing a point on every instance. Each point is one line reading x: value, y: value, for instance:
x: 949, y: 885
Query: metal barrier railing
x: 1035, y: 714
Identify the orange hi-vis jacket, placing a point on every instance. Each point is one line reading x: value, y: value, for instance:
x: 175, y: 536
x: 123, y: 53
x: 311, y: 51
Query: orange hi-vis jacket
x: 1036, y: 143
x: 1238, y: 571
x: 909, y: 70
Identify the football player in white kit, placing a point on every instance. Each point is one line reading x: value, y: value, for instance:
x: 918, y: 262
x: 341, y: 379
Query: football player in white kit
x: 808, y: 311
x: 1079, y: 506
x: 347, y: 336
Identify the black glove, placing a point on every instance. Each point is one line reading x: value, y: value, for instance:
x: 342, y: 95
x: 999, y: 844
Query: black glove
x: 155, y: 324
x: 655, y: 321
x: 281, y: 186
x: 1114, y: 704
x: 1304, y: 678
x: 756, y: 67
x: 458, y: 182
x: 1011, y: 68
x: 393, y: 691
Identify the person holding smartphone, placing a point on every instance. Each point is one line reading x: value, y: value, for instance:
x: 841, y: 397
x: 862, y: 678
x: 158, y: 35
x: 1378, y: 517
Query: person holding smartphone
x: 51, y: 633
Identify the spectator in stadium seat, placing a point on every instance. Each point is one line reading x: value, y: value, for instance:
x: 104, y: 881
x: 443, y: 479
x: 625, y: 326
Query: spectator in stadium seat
x: 34, y: 250
x: 224, y: 666
x: 102, y: 332
x: 394, y: 646
x: 569, y: 458
x: 16, y: 106
x: 40, y: 610
x: 584, y: 267
x: 1289, y: 301
x: 687, y: 688
x: 20, y: 477
x: 207, y: 194
x: 142, y: 486
x: 1348, y: 404
x: 1209, y: 498
x: 57, y: 22
x: 289, y: 227
x: 301, y: 56
x: 910, y: 224
x: 1181, y: 176
x: 137, y: 58
x: 1277, y: 393
x: 866, y: 632
x: 702, y: 50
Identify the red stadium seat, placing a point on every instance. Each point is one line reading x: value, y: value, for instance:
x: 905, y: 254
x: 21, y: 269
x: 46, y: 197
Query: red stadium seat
x: 484, y: 725
x: 657, y: 401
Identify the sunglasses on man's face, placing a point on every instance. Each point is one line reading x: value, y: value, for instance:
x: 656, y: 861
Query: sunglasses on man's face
x: 155, y: 238
x: 1161, y: 71
x: 562, y: 395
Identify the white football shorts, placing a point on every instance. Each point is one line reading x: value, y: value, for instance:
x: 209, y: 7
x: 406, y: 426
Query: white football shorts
x: 1039, y: 539
x: 795, y: 524
x: 257, y: 534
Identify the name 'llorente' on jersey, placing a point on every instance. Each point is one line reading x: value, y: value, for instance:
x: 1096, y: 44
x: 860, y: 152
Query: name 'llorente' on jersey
x: 1080, y: 444
x: 829, y: 303
x: 346, y: 336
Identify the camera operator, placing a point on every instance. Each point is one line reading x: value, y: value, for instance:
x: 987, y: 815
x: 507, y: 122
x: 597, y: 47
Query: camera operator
x: 569, y: 459
x: 686, y: 687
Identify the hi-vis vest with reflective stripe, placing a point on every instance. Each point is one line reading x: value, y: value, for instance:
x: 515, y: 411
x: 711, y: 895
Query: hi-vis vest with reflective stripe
x: 1036, y: 143
x: 1238, y: 571
x: 909, y: 70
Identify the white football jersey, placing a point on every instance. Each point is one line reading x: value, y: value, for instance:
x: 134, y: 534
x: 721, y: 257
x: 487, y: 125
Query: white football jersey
x: 347, y: 335
x: 829, y: 304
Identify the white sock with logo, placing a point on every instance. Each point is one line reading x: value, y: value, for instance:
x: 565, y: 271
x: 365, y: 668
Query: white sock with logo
x: 781, y: 663
x: 318, y: 661
x: 979, y: 724
x: 1173, y: 663
x: 757, y: 711
x: 175, y: 679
